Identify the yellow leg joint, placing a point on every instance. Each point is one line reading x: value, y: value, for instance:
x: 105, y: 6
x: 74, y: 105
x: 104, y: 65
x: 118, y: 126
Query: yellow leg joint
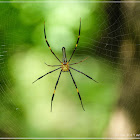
x: 49, y: 47
x: 54, y: 91
x: 79, y: 36
x: 76, y: 45
x: 77, y: 90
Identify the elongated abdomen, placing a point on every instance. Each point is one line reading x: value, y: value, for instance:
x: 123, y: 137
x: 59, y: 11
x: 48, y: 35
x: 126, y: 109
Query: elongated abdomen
x: 64, y: 55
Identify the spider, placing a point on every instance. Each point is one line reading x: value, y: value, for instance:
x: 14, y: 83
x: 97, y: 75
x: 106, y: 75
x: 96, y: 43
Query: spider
x: 65, y: 66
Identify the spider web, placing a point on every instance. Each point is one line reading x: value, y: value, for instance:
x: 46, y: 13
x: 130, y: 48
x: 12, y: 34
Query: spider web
x: 101, y: 41
x: 109, y: 43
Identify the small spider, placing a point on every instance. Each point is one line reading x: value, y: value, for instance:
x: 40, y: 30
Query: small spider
x: 65, y: 66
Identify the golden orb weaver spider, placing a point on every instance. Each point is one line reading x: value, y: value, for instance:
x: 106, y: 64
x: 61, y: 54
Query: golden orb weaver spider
x: 65, y: 66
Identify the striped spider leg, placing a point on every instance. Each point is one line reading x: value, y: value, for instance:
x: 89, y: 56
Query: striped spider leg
x: 65, y: 67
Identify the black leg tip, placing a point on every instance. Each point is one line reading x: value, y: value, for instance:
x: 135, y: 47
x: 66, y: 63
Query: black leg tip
x: 83, y: 109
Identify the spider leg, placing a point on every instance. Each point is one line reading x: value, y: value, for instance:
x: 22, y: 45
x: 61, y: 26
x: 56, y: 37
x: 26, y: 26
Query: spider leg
x: 84, y: 74
x: 46, y: 74
x: 55, y: 89
x: 77, y: 90
x: 77, y: 41
x: 78, y: 62
x: 49, y: 45
x: 53, y: 65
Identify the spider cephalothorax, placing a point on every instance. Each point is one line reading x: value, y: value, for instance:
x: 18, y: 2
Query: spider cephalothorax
x: 65, y: 66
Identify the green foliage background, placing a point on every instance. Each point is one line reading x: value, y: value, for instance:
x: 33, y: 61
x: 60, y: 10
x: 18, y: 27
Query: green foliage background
x: 25, y: 107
